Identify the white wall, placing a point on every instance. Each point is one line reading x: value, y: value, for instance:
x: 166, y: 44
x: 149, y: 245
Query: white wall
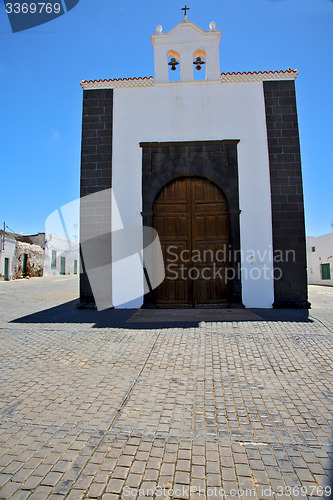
x: 323, y: 254
x: 199, y: 111
x: 9, y: 253
x: 64, y: 248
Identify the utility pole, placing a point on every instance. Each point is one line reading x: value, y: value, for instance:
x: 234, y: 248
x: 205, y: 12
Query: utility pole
x: 3, y: 237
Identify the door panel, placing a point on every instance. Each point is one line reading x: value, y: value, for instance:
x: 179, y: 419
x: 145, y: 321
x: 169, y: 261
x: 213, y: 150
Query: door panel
x: 6, y: 269
x: 63, y: 265
x: 191, y: 218
x: 24, y: 266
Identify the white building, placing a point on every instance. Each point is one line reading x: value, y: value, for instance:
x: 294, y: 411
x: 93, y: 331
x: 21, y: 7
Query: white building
x: 213, y: 164
x: 21, y: 256
x: 320, y: 259
x: 7, y: 255
x: 61, y: 256
x: 36, y: 255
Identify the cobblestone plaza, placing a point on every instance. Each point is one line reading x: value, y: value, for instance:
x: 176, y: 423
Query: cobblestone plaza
x: 107, y: 405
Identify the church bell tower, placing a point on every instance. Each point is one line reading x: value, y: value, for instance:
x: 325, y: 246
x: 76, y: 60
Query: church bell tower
x: 190, y: 49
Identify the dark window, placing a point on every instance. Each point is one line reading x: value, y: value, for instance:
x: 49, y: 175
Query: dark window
x: 75, y: 266
x: 313, y: 249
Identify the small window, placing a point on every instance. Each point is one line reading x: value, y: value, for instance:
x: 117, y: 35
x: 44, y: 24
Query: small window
x: 325, y: 272
x: 313, y: 249
x: 75, y: 266
x: 54, y: 259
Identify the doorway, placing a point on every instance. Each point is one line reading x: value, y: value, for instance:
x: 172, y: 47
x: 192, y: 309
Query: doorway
x: 62, y: 265
x: 6, y: 269
x: 190, y: 215
x: 24, y: 265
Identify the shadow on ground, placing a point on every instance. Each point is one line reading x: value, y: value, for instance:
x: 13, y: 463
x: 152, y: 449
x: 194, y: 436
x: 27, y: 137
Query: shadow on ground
x: 147, y: 319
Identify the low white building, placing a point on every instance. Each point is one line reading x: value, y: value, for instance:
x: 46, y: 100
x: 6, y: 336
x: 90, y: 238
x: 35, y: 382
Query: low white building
x: 61, y: 256
x: 320, y: 259
x: 21, y: 256
x: 41, y: 254
x: 7, y: 255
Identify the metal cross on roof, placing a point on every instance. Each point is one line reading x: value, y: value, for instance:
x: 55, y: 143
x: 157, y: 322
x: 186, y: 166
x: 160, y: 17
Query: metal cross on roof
x: 185, y: 8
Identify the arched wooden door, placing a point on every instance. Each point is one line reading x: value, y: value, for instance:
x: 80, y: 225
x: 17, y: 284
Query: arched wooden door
x: 191, y: 218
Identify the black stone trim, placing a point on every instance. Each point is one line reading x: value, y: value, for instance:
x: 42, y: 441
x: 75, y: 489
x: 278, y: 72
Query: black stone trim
x: 181, y: 144
x: 286, y: 193
x: 96, y: 175
x: 213, y: 160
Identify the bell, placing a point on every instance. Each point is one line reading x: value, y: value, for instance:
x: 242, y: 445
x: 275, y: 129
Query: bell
x: 198, y: 63
x: 173, y: 63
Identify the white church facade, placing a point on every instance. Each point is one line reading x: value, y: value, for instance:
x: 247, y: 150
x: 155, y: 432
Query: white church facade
x: 212, y: 164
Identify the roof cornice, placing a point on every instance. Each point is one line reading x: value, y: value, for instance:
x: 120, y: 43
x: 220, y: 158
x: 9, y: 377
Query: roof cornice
x: 258, y: 76
x: 240, y: 77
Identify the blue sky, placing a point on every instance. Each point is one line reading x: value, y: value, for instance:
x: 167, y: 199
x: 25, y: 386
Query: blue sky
x: 41, y: 97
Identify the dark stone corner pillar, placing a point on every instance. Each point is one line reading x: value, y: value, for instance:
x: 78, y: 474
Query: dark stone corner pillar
x: 96, y: 176
x: 289, y: 244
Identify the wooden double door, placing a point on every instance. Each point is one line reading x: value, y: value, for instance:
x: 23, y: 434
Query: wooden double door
x: 191, y: 218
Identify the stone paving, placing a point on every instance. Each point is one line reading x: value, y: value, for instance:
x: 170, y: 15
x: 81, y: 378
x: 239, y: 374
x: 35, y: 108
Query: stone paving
x: 95, y: 406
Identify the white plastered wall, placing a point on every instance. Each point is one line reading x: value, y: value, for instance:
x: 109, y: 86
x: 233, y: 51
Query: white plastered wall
x: 8, y: 253
x: 200, y: 111
x: 322, y: 254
